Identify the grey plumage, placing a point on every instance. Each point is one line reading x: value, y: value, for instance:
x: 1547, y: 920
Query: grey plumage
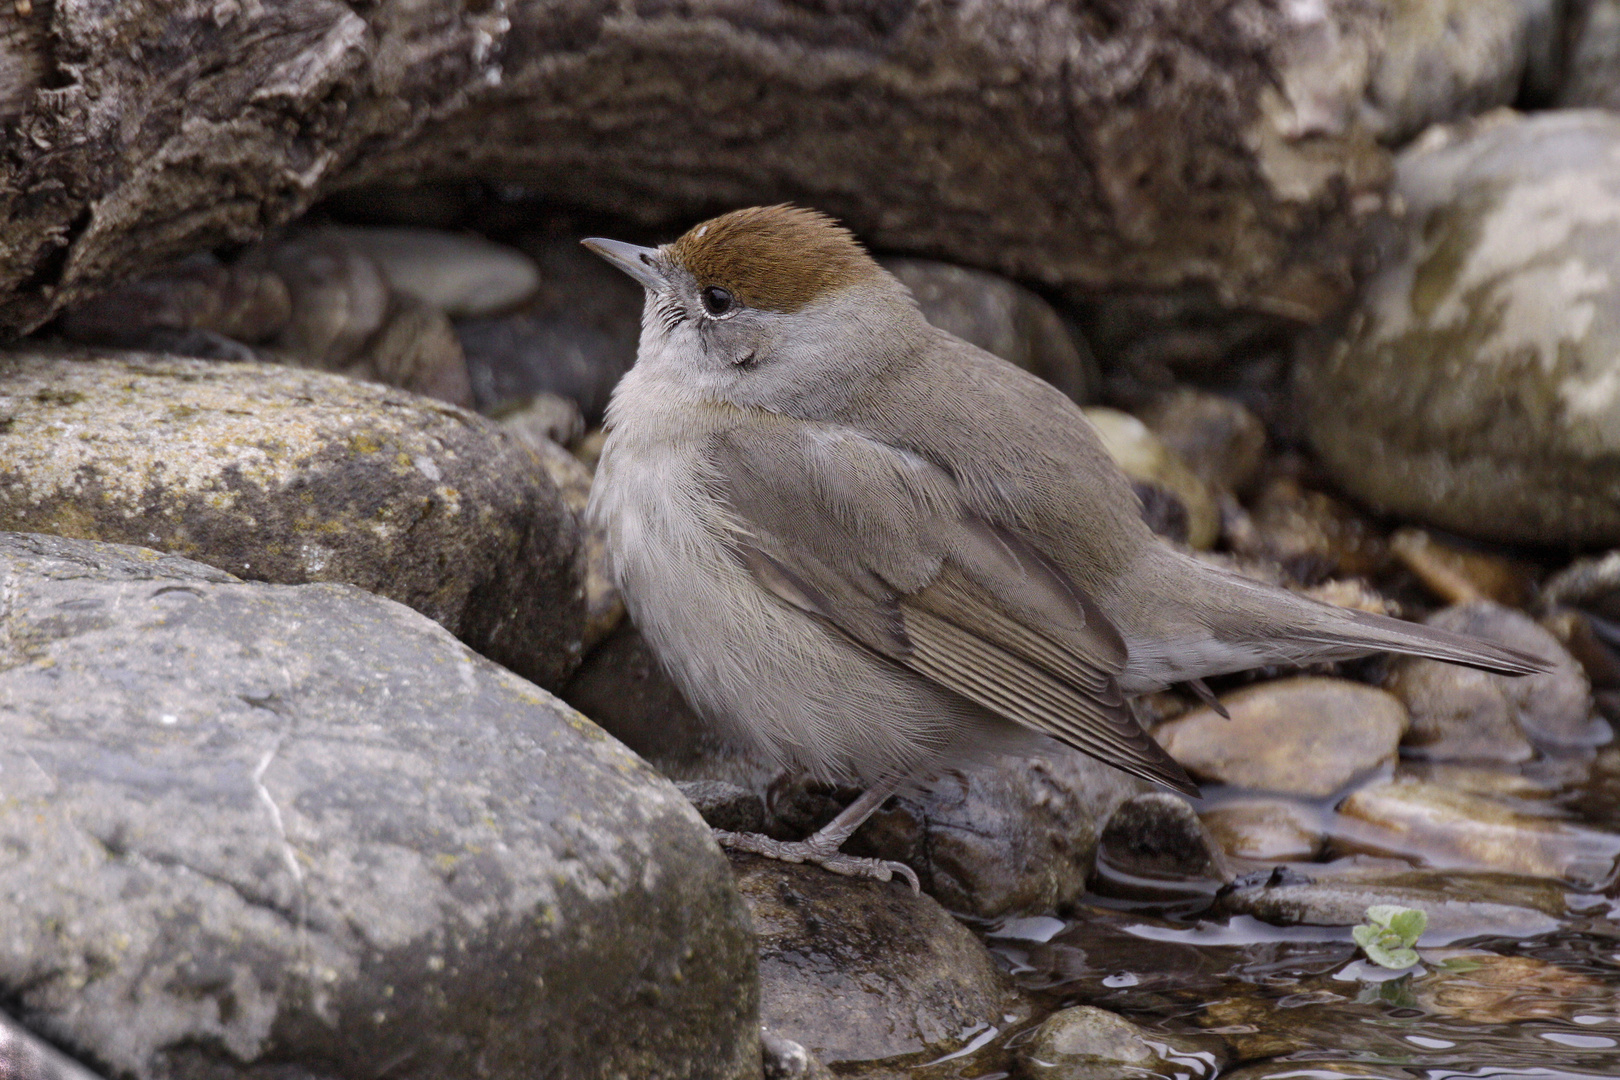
x: 874, y: 549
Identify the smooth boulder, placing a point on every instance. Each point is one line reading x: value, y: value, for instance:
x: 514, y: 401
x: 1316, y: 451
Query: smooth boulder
x: 257, y: 830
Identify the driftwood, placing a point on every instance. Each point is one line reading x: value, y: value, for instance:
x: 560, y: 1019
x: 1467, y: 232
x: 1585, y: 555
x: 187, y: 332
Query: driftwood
x: 1093, y: 143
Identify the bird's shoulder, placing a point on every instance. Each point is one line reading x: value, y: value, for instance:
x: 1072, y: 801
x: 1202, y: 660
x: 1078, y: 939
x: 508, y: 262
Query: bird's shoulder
x: 1022, y: 453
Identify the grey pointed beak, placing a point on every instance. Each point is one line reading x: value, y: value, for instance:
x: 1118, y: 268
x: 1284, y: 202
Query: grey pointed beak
x: 643, y: 264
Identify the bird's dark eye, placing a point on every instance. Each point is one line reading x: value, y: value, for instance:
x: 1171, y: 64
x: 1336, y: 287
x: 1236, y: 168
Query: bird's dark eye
x: 716, y: 301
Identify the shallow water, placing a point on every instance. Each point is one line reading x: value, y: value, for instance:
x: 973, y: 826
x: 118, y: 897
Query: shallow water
x: 1243, y: 998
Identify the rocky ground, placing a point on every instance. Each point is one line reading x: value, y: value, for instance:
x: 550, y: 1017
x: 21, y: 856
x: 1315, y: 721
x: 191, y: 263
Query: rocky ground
x: 326, y: 750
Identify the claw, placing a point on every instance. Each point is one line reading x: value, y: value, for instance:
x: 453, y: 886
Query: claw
x: 806, y: 851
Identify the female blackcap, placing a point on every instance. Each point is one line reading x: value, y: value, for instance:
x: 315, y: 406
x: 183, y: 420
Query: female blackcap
x: 874, y: 550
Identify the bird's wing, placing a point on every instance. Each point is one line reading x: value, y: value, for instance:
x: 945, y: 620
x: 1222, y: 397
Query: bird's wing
x: 881, y: 544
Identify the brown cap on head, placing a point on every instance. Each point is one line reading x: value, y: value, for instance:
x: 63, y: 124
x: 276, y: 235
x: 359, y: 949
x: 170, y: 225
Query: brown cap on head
x: 778, y: 258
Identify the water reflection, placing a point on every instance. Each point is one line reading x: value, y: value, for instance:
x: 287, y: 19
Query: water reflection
x: 1295, y: 1002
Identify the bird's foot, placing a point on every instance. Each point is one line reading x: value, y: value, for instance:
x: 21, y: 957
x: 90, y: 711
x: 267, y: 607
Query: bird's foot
x: 826, y: 856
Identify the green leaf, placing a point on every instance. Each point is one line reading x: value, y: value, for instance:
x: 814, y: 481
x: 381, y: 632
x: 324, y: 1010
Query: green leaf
x: 1381, y: 914
x: 1409, y: 925
x: 1389, y: 934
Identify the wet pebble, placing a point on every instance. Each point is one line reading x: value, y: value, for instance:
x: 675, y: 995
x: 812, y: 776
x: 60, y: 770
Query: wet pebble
x: 1301, y: 736
x: 1155, y: 844
x: 863, y: 973
x: 1445, y: 828
x: 1087, y: 1043
x: 1458, y: 906
x: 1461, y: 713
x: 1266, y: 830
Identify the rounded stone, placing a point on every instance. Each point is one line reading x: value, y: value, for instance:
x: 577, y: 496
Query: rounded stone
x: 1154, y: 466
x: 1266, y: 830
x: 1300, y: 736
x: 1478, y: 386
x: 1463, y: 714
x: 861, y: 973
x: 1086, y: 1043
x: 462, y: 275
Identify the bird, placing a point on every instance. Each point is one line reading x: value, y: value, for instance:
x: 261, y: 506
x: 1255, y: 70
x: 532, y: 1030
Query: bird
x: 874, y: 551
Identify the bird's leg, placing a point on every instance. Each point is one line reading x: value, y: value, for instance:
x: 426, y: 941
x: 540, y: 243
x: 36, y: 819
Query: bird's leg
x: 821, y: 847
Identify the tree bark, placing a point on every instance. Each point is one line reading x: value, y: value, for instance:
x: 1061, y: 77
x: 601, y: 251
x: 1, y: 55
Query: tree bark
x: 1094, y: 143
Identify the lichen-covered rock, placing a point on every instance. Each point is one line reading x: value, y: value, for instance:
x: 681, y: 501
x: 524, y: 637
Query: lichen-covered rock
x: 283, y: 475
x: 1479, y: 385
x: 252, y: 830
x: 865, y: 973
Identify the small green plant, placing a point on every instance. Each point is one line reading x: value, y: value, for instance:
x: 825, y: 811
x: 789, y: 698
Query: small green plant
x: 1389, y: 933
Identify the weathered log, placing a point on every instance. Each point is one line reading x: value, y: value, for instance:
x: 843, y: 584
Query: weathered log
x: 1100, y: 143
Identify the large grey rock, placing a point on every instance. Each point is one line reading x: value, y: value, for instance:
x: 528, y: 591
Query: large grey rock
x: 294, y: 476
x: 863, y: 973
x: 1477, y: 388
x: 267, y: 831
